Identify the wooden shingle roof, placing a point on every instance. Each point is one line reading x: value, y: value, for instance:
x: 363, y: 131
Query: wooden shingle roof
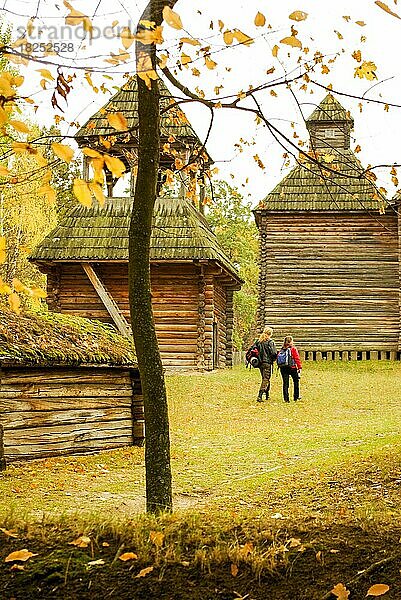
x: 310, y: 187
x: 54, y: 339
x: 173, y: 122
x: 180, y: 232
x: 331, y: 110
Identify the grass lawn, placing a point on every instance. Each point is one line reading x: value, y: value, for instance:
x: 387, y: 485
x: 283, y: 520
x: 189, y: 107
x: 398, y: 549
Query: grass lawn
x: 248, y: 479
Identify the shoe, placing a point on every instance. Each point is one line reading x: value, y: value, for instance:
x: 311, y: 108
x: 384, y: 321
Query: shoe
x: 295, y: 399
x: 260, y: 397
x: 286, y: 400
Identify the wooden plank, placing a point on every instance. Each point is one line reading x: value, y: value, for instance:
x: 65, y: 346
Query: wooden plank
x: 54, y: 390
x: 62, y: 403
x: 108, y: 301
x: 2, y: 454
x: 45, y: 418
x: 58, y: 436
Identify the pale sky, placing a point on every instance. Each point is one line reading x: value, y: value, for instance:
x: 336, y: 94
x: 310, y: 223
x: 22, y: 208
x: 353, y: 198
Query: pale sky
x: 377, y: 132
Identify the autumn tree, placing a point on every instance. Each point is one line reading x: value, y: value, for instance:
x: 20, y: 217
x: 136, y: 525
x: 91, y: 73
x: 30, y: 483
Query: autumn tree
x: 185, y: 60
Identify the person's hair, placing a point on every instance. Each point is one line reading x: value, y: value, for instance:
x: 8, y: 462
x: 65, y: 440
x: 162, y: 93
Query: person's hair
x: 287, y: 340
x: 266, y: 334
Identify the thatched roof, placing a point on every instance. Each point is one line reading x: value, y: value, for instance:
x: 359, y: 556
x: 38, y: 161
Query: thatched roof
x: 173, y: 122
x: 330, y: 110
x: 180, y: 232
x: 54, y: 339
x: 310, y: 186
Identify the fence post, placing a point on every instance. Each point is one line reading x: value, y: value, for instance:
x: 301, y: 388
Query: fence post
x: 2, y: 457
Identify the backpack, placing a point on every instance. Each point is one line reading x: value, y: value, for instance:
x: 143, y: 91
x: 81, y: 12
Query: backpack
x: 284, y: 358
x: 252, y: 356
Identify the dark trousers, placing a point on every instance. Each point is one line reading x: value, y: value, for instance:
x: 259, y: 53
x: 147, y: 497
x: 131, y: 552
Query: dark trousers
x: 286, y: 373
x: 265, y: 371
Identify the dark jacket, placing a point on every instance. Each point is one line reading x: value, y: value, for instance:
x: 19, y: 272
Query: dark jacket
x: 267, y: 351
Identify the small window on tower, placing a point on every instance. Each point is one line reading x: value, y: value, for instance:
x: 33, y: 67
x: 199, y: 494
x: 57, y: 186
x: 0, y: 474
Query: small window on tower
x: 329, y: 133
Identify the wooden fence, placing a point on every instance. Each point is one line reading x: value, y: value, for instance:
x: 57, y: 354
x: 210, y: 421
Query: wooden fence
x: 343, y: 355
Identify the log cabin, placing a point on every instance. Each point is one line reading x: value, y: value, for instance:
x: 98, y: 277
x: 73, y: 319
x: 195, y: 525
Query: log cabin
x: 86, y: 256
x: 67, y: 386
x: 330, y: 250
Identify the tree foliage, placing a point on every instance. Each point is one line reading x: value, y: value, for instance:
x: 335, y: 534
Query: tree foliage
x: 234, y: 226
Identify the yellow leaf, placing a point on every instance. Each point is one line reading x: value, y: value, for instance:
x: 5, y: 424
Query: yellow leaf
x: 234, y: 570
x: 18, y: 286
x: 228, y: 37
x: 144, y: 572
x: 91, y: 152
x: 127, y: 37
x: 97, y: 191
x: 386, y: 8
x: 115, y: 165
x: 3, y: 255
x: 357, y: 55
x: 291, y: 41
x: 156, y: 537
x: 15, y: 304
x: 360, y: 23
x: 63, y: 151
x: 185, y: 59
x: 21, y: 147
x: 82, y: 541
x: 144, y: 69
x: 19, y: 555
x: 163, y: 59
x: 4, y: 172
x: 128, y: 556
x: 37, y: 292
x: 151, y: 36
x: 298, y: 15
x: 49, y: 192
x: 357, y: 148
x: 192, y: 41
x: 378, y: 589
x: 260, y: 20
x: 5, y: 87
x: 46, y: 74
x: 367, y: 70
x: 3, y: 116
x: 275, y: 50
x: 340, y: 592
x: 82, y: 193
x: 118, y: 121
x: 8, y: 533
x: 172, y: 18
x: 242, y: 38
x: 4, y: 289
x: 210, y: 63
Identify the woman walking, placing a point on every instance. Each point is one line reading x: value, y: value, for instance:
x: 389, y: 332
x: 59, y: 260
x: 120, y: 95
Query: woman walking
x: 290, y: 365
x: 267, y: 356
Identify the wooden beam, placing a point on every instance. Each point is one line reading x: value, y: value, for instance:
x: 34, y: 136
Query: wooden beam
x: 108, y: 301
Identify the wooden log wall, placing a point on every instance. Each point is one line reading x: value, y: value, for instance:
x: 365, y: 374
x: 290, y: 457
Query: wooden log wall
x: 399, y: 266
x: 184, y: 297
x: 64, y: 410
x: 229, y: 326
x: 220, y: 316
x: 331, y: 280
x: 339, y: 136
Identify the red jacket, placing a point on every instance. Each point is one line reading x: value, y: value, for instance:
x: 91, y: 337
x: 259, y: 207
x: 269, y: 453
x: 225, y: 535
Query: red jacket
x: 295, y: 356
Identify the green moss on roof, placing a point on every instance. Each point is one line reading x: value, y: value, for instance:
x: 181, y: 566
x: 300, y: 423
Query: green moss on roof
x: 330, y: 110
x: 46, y: 338
x: 179, y: 232
x: 308, y: 187
x: 173, y: 122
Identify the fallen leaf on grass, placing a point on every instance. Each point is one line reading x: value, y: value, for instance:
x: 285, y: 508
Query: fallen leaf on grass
x: 9, y: 533
x: 19, y: 555
x: 17, y: 567
x: 128, y: 556
x: 82, y: 542
x: 378, y: 589
x: 234, y: 570
x: 156, y: 537
x: 144, y: 572
x: 95, y: 563
x: 340, y: 592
